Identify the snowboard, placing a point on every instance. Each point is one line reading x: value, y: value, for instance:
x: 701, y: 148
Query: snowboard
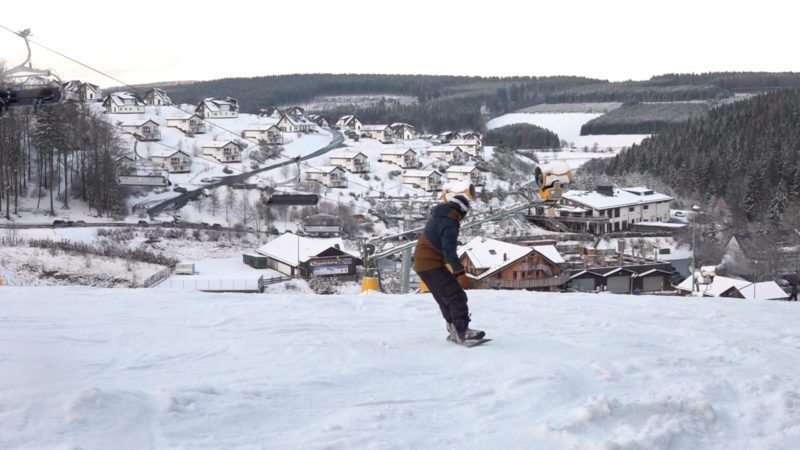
x: 470, y: 343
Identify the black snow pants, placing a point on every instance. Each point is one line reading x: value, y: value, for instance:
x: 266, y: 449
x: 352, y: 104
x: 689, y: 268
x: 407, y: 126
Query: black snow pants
x: 449, y: 295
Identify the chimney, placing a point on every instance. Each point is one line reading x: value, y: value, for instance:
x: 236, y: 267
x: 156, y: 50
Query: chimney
x: 505, y: 257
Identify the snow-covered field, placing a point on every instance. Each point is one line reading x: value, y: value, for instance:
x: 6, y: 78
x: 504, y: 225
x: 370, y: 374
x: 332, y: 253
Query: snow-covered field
x: 139, y: 369
x: 568, y: 128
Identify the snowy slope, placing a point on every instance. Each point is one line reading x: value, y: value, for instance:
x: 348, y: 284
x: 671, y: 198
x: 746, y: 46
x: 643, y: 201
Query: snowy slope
x: 137, y: 369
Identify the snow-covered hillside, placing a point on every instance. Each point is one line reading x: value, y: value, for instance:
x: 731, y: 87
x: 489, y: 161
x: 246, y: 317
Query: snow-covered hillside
x: 137, y: 369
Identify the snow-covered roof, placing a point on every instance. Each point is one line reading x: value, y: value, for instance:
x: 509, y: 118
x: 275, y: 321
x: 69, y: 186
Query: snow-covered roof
x: 400, y: 124
x: 346, y: 154
x: 416, y: 173
x: 621, y: 198
x: 288, y: 246
x: 397, y: 151
x: 323, y: 169
x: 717, y: 287
x: 765, y: 290
x: 297, y: 120
x: 137, y: 123
x: 213, y: 104
x: 461, y: 169
x: 549, y: 252
x: 465, y: 142
x: 491, y: 254
x: 218, y: 144
x: 260, y: 127
x: 182, y: 116
x: 444, y: 149
x: 119, y: 98
x: 166, y: 153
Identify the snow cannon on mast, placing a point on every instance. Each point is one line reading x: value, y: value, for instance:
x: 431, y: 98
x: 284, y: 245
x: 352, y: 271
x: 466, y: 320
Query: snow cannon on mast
x: 550, y: 178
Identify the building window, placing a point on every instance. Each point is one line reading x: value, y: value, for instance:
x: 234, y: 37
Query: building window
x: 645, y: 206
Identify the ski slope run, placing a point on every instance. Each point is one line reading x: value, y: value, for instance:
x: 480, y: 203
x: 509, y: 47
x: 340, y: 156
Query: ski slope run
x: 138, y: 369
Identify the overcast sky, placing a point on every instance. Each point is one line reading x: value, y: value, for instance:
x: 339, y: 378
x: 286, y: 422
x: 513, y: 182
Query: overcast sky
x: 152, y: 41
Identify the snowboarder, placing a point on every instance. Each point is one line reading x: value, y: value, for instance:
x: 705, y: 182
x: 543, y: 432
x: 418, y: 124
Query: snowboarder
x: 437, y: 246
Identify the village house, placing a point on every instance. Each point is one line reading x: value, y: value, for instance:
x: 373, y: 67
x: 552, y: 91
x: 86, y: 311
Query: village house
x: 381, y: 133
x: 156, y: 97
x: 468, y: 174
x: 355, y: 162
x: 493, y: 264
x: 295, y: 111
x: 82, y: 92
x: 123, y: 103
x: 447, y: 153
x: 403, y: 157
x: 223, y: 151
x: 468, y: 135
x: 188, y: 123
x: 217, y: 108
x: 143, y: 130
x: 274, y: 113
x: 429, y: 180
x: 270, y: 134
x: 304, y: 257
x: 472, y: 147
x: 174, y: 161
x: 707, y: 284
x: 349, y: 122
x: 295, y: 124
x: 608, y: 209
x: 330, y: 176
x: 320, y: 120
x: 446, y: 136
x: 402, y: 131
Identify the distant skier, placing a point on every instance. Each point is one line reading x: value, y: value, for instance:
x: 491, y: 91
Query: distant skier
x: 437, y: 246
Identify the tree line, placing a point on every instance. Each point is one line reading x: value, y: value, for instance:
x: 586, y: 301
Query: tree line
x: 744, y: 155
x: 643, y: 118
x: 63, y: 151
x: 523, y: 135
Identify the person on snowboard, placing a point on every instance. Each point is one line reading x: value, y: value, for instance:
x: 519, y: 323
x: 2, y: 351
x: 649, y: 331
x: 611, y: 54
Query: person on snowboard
x: 437, y: 246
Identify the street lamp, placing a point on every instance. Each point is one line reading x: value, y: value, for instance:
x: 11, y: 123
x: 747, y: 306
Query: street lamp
x: 695, y: 208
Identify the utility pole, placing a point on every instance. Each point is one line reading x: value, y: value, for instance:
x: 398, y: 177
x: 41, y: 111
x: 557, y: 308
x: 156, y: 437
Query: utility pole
x: 695, y: 208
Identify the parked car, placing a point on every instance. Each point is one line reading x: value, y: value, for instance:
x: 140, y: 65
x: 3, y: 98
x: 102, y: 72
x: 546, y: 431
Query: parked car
x: 227, y: 170
x: 80, y: 223
x: 180, y: 189
x: 216, y: 226
x: 143, y: 223
x: 58, y: 223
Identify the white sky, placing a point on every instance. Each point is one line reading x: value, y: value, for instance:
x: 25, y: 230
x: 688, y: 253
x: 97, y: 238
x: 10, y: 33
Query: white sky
x: 151, y: 41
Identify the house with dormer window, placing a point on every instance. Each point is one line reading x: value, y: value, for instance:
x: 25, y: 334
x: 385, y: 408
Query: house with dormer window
x: 123, y: 103
x: 156, y: 97
x: 218, y: 108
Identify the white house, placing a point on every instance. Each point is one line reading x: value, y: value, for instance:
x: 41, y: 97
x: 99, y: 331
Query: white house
x: 82, y: 92
x: 295, y: 111
x: 470, y: 135
x: 223, y: 151
x: 430, y: 180
x: 402, y: 131
x: 381, y: 133
x: 175, y: 162
x: 330, y: 176
x: 447, y: 136
x: 618, y: 208
x: 143, y: 130
x: 157, y: 97
x: 403, y: 157
x: 123, y: 103
x: 472, y: 147
x: 188, y: 123
x: 217, y: 108
x: 465, y: 173
x: 305, y: 257
x: 262, y: 132
x: 447, y: 153
x: 355, y: 162
x: 295, y: 124
x: 349, y: 122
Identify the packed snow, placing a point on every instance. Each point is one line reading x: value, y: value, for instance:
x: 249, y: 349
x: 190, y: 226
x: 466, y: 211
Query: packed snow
x: 135, y: 369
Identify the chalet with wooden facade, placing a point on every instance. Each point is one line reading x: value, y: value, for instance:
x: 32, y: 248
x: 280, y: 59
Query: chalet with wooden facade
x: 123, y: 103
x: 330, y: 176
x: 447, y: 153
x: 381, y: 133
x: 188, y: 123
x: 270, y: 134
x: 349, y: 122
x: 403, y: 157
x: 223, y: 151
x: 143, y: 130
x: 175, y: 162
x: 355, y: 162
x: 493, y: 264
x: 430, y: 180
x: 304, y: 257
x: 468, y: 174
x: 157, y: 97
x: 218, y: 108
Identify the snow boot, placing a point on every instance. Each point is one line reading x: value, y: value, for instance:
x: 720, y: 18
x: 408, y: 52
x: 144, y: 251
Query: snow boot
x: 468, y: 334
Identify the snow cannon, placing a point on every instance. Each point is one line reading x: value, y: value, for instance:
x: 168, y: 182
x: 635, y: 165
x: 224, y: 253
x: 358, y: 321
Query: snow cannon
x: 550, y: 179
x: 458, y: 187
